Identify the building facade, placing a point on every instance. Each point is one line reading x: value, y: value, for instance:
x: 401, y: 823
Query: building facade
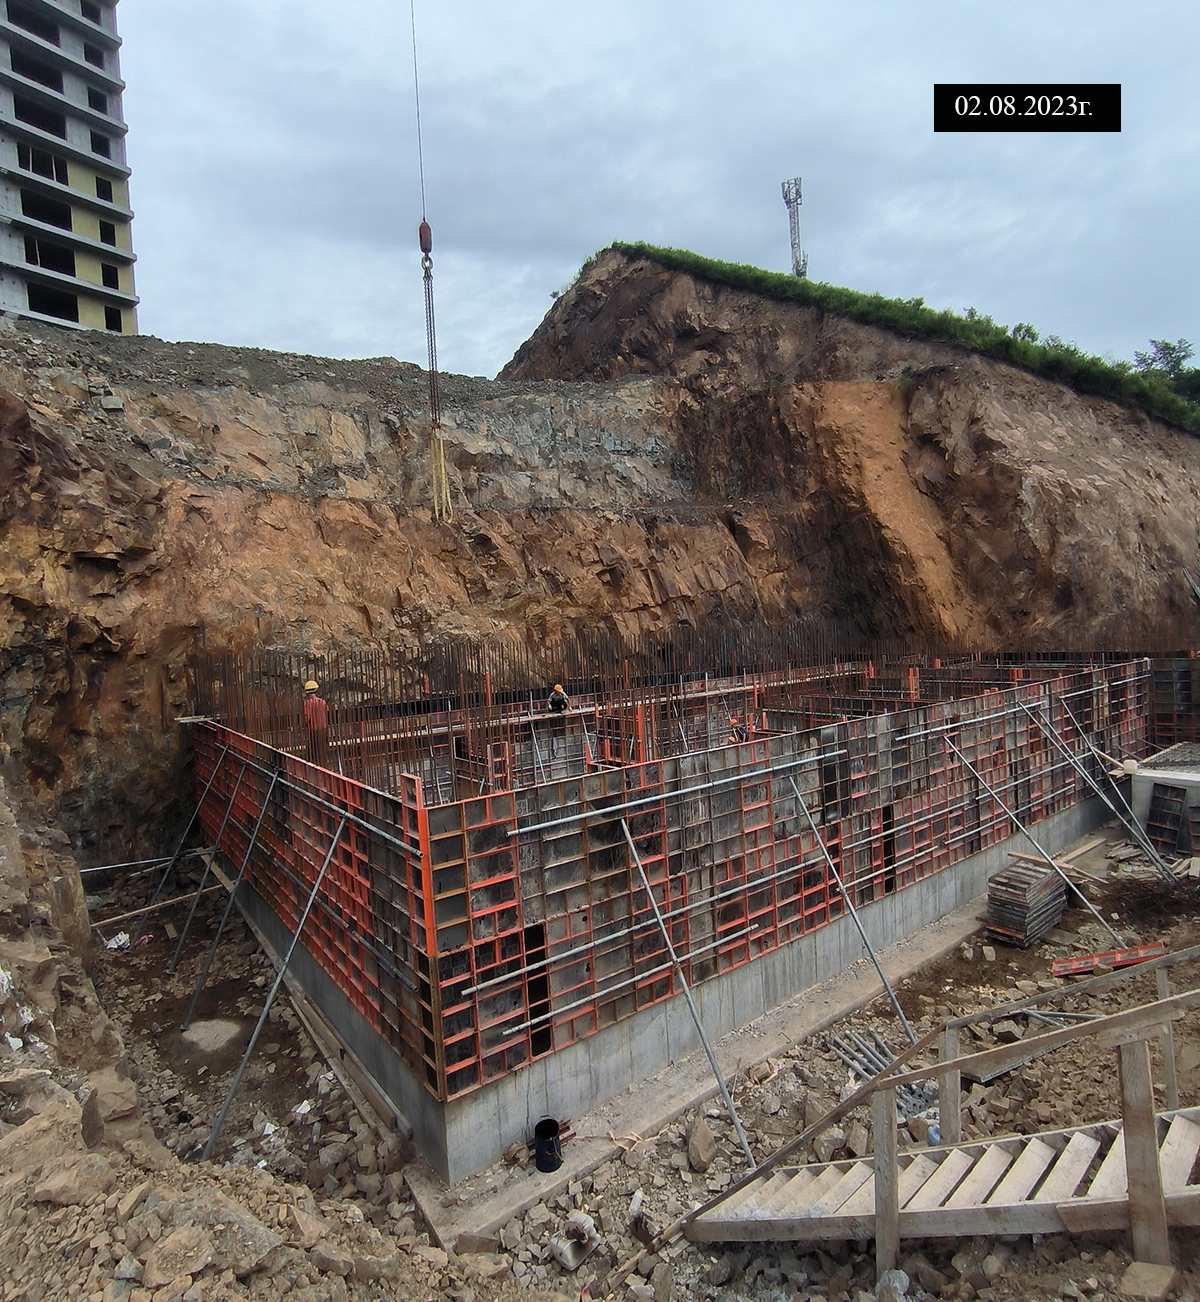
x: 66, y: 245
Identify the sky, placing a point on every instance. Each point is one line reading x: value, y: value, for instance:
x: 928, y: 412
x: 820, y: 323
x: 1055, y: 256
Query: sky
x: 275, y: 183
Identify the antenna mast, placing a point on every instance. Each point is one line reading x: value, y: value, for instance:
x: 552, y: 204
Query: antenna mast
x: 792, y: 198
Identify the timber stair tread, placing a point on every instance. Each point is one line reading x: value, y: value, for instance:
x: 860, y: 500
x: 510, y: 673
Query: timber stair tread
x: 1011, y: 1184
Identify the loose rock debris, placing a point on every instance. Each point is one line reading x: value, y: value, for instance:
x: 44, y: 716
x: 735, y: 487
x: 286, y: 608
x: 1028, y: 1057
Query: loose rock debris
x: 310, y: 1198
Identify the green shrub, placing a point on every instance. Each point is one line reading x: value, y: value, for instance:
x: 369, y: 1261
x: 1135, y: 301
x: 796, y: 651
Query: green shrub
x: 1052, y: 358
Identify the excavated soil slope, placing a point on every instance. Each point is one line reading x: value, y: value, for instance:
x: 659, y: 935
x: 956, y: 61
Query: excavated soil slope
x: 968, y: 497
x: 741, y: 457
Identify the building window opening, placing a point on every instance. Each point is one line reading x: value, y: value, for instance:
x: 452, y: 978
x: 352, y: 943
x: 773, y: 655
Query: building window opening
x: 108, y: 233
x: 104, y: 189
x: 53, y: 302
x: 97, y: 99
x: 101, y: 145
x: 94, y: 55
x: 36, y: 70
x: 51, y: 211
x: 91, y: 12
x: 25, y: 110
x: 110, y: 275
x: 32, y: 22
x: 113, y: 321
x: 49, y: 256
x: 42, y: 162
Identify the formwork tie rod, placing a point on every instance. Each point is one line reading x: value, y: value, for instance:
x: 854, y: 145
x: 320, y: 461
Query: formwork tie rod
x: 215, y: 1133
x: 1133, y: 827
x: 691, y: 1003
x: 1033, y: 841
x: 833, y: 872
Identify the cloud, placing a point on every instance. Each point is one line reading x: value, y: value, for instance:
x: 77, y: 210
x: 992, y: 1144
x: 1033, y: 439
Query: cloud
x: 275, y: 164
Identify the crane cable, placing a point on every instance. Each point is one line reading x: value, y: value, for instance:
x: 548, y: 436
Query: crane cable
x: 443, y: 507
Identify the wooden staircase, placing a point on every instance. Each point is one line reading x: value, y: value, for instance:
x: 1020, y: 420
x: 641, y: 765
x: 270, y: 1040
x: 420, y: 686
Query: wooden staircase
x: 1064, y: 1180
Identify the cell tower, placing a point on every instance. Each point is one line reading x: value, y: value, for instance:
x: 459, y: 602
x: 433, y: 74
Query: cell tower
x: 793, y: 200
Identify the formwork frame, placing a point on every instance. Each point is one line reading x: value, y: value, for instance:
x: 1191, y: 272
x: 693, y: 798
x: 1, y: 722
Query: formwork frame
x: 478, y: 934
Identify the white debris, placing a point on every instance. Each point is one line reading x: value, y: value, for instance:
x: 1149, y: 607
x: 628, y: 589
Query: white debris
x: 119, y: 941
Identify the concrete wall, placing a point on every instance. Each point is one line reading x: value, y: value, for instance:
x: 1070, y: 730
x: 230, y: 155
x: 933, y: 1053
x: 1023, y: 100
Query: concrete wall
x: 465, y: 1135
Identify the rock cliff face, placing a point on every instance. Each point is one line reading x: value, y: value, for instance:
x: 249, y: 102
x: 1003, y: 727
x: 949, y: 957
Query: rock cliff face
x: 739, y: 456
x: 964, y: 497
x: 149, y: 491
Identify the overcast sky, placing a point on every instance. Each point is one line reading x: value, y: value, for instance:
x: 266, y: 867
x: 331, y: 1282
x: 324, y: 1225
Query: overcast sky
x: 274, y: 161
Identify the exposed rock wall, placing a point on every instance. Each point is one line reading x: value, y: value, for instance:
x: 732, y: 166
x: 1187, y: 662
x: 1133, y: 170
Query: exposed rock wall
x: 968, y: 497
x: 740, y: 456
x: 148, y: 491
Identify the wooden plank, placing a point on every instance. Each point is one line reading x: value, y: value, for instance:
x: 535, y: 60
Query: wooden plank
x: 1170, y: 1076
x: 1147, y: 1211
x: 1143, y: 1017
x: 829, y: 1179
x: 950, y: 1091
x: 1069, y: 1170
x: 790, y: 1194
x: 981, y: 1179
x: 762, y: 1191
x: 850, y: 1183
x: 1093, y: 985
x: 935, y: 1190
x: 862, y: 1203
x: 887, y: 1191
x: 1024, y: 1173
x: 1177, y: 1156
x: 151, y: 908
x: 914, y: 1175
x: 1110, y: 1179
x: 1021, y: 1218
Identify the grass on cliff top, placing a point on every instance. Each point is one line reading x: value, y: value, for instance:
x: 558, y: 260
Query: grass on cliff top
x: 1054, y: 359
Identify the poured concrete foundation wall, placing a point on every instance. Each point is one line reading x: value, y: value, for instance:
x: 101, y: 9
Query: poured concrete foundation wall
x: 467, y: 1134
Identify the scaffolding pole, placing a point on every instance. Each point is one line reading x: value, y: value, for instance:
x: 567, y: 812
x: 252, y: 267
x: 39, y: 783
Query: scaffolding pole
x: 215, y: 1133
x: 202, y: 975
x: 1131, y: 827
x: 833, y: 872
x: 691, y: 1003
x: 1033, y: 841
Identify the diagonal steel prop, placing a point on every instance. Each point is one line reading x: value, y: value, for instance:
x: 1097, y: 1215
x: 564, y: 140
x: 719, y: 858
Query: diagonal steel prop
x: 174, y: 859
x: 202, y: 975
x: 207, y: 868
x: 691, y: 1003
x: 833, y: 872
x: 1143, y: 839
x: 1133, y: 828
x: 1033, y: 841
x: 214, y: 1134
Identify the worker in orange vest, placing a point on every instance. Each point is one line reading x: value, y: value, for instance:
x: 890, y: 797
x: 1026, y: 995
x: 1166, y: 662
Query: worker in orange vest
x: 316, y: 723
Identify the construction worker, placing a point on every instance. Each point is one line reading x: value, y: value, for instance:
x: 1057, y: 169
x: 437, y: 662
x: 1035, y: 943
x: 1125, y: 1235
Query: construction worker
x: 316, y: 723
x: 559, y: 700
x: 737, y: 729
